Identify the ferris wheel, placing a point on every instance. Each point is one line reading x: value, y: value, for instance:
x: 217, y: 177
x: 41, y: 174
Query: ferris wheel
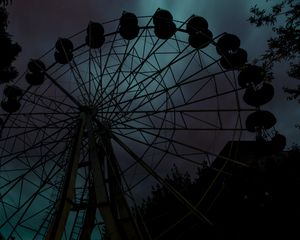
x: 107, y: 112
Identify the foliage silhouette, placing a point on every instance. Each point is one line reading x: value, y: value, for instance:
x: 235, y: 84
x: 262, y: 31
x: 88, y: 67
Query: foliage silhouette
x: 161, y: 211
x: 260, y: 202
x: 9, y: 50
x: 5, y: 2
x: 284, y: 18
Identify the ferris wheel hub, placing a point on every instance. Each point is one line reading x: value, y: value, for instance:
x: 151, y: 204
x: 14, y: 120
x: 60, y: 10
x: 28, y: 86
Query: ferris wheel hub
x: 87, y: 109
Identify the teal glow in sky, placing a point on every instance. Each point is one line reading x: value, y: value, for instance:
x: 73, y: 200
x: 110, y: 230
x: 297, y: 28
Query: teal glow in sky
x: 38, y: 27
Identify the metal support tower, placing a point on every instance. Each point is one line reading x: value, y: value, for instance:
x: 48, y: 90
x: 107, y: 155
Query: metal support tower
x: 105, y: 191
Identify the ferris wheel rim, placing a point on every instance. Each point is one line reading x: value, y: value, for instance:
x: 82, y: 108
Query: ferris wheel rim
x: 173, y: 108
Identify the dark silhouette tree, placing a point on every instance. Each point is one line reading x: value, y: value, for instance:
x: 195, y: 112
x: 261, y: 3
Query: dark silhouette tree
x: 260, y: 202
x: 5, y: 2
x: 284, y: 18
x: 166, y: 217
x: 9, y: 50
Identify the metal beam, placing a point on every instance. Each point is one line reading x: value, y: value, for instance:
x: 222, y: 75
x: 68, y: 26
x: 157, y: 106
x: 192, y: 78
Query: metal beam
x: 64, y: 204
x: 163, y: 182
x: 101, y: 194
x: 90, y: 216
x: 125, y: 218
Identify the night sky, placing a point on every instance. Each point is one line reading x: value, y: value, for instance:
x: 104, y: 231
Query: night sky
x: 36, y: 25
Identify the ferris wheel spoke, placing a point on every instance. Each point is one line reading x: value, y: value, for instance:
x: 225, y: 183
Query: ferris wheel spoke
x: 175, y: 193
x: 142, y: 113
x: 175, y: 60
x: 144, y: 152
x: 44, y: 102
x: 152, y: 76
x: 157, y: 94
x: 125, y: 56
x: 178, y: 84
x: 108, y: 57
x: 34, y: 97
x: 37, y: 146
x: 160, y: 92
x: 22, y: 177
x: 113, y: 101
x: 146, y: 121
x: 128, y: 127
x: 44, y: 221
x: 120, y: 74
x: 61, y: 88
x: 146, y: 97
x: 129, y: 114
x: 49, y: 108
x: 20, y: 136
x: 85, y: 93
x: 173, y: 125
x: 160, y: 141
x: 95, y: 70
x: 188, y: 103
x: 25, y: 207
x: 133, y: 72
x: 97, y: 74
x: 31, y: 169
x: 194, y: 148
x: 40, y: 144
x: 31, y: 228
x: 163, y: 150
x: 36, y: 122
x: 133, y: 78
x: 38, y: 113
